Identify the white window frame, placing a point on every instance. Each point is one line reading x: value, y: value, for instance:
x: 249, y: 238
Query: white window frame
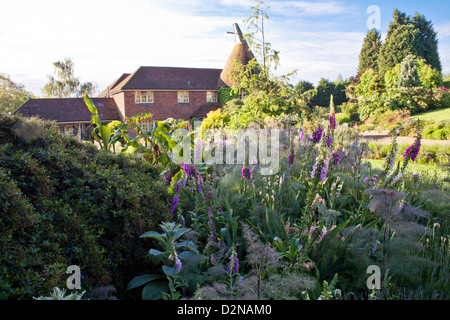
x: 143, y: 97
x: 183, y: 96
x: 211, y: 96
x: 145, y: 124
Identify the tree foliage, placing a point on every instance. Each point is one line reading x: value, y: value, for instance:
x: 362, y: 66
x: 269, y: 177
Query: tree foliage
x: 408, y: 77
x: 12, y: 95
x: 369, y: 51
x: 408, y: 35
x: 64, y: 84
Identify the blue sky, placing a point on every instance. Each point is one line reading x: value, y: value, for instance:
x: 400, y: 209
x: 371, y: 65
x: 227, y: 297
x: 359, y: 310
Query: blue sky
x: 108, y: 38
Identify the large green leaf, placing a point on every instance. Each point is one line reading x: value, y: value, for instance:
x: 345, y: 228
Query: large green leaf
x: 142, y: 279
x: 156, y: 255
x: 105, y: 133
x: 154, y: 235
x: 96, y: 120
x: 154, y: 290
x: 90, y: 104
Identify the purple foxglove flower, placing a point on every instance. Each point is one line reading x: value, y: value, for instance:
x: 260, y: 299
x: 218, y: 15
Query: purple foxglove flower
x: 329, y: 141
x: 174, y: 205
x: 316, y: 135
x: 178, y: 264
x: 233, y: 265
x: 323, y: 172
x: 246, y: 174
x: 291, y: 157
x: 335, y: 157
x: 332, y: 120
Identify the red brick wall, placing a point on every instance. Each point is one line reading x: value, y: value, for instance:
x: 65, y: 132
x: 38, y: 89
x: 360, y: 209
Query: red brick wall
x: 165, y: 104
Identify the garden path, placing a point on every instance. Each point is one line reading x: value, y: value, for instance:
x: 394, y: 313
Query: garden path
x: 386, y: 138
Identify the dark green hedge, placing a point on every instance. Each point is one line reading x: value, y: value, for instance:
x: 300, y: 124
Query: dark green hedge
x: 65, y: 203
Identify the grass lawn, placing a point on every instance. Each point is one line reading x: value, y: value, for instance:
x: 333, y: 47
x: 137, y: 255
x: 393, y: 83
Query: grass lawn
x: 435, y: 174
x: 435, y: 115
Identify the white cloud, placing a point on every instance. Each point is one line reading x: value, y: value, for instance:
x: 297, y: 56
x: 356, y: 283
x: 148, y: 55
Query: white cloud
x: 310, y: 9
x: 105, y: 39
x: 321, y: 54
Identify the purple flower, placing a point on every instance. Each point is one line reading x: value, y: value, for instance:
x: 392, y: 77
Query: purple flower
x: 174, y: 204
x: 178, y: 187
x: 246, y: 174
x: 323, y: 172
x: 316, y: 135
x: 332, y: 120
x: 291, y: 157
x: 335, y: 157
x: 329, y: 140
x: 168, y: 177
x: 302, y: 134
x: 233, y: 265
x: 178, y: 264
x: 413, y: 150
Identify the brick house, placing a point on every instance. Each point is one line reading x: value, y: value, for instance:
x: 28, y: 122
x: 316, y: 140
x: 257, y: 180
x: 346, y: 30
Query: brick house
x: 165, y: 92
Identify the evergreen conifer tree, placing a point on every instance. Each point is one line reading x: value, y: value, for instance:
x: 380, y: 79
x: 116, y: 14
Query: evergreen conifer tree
x: 427, y: 41
x: 369, y: 51
x: 408, y: 76
x: 401, y: 40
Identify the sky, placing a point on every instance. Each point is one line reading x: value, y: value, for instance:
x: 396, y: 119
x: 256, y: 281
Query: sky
x: 104, y: 39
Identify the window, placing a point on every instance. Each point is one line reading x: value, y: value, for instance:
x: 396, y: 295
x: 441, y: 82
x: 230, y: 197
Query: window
x: 183, y: 97
x: 145, y: 124
x: 70, y: 130
x: 211, y: 96
x: 144, y: 97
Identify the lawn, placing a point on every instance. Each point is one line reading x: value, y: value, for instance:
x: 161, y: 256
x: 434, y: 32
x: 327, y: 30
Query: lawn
x: 436, y: 115
x: 437, y: 175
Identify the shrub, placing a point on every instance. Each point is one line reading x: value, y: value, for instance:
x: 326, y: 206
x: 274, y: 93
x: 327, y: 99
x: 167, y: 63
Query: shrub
x: 349, y: 108
x: 66, y: 203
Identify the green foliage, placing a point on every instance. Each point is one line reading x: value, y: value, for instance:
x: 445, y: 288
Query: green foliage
x: 215, y: 119
x: 409, y: 35
x: 399, y: 43
x: 408, y: 76
x: 302, y: 86
x: 225, y: 94
x: 65, y: 203
x: 12, y: 95
x: 369, y: 52
x: 174, y: 252
x: 64, y: 84
x: 326, y: 89
x: 60, y: 294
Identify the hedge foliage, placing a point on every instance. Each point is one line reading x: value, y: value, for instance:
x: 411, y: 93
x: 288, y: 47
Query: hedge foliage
x: 66, y: 203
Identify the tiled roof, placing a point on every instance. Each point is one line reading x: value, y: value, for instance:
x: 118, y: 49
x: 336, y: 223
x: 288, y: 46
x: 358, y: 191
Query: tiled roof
x: 104, y: 93
x: 69, y: 109
x: 242, y: 53
x: 170, y: 78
